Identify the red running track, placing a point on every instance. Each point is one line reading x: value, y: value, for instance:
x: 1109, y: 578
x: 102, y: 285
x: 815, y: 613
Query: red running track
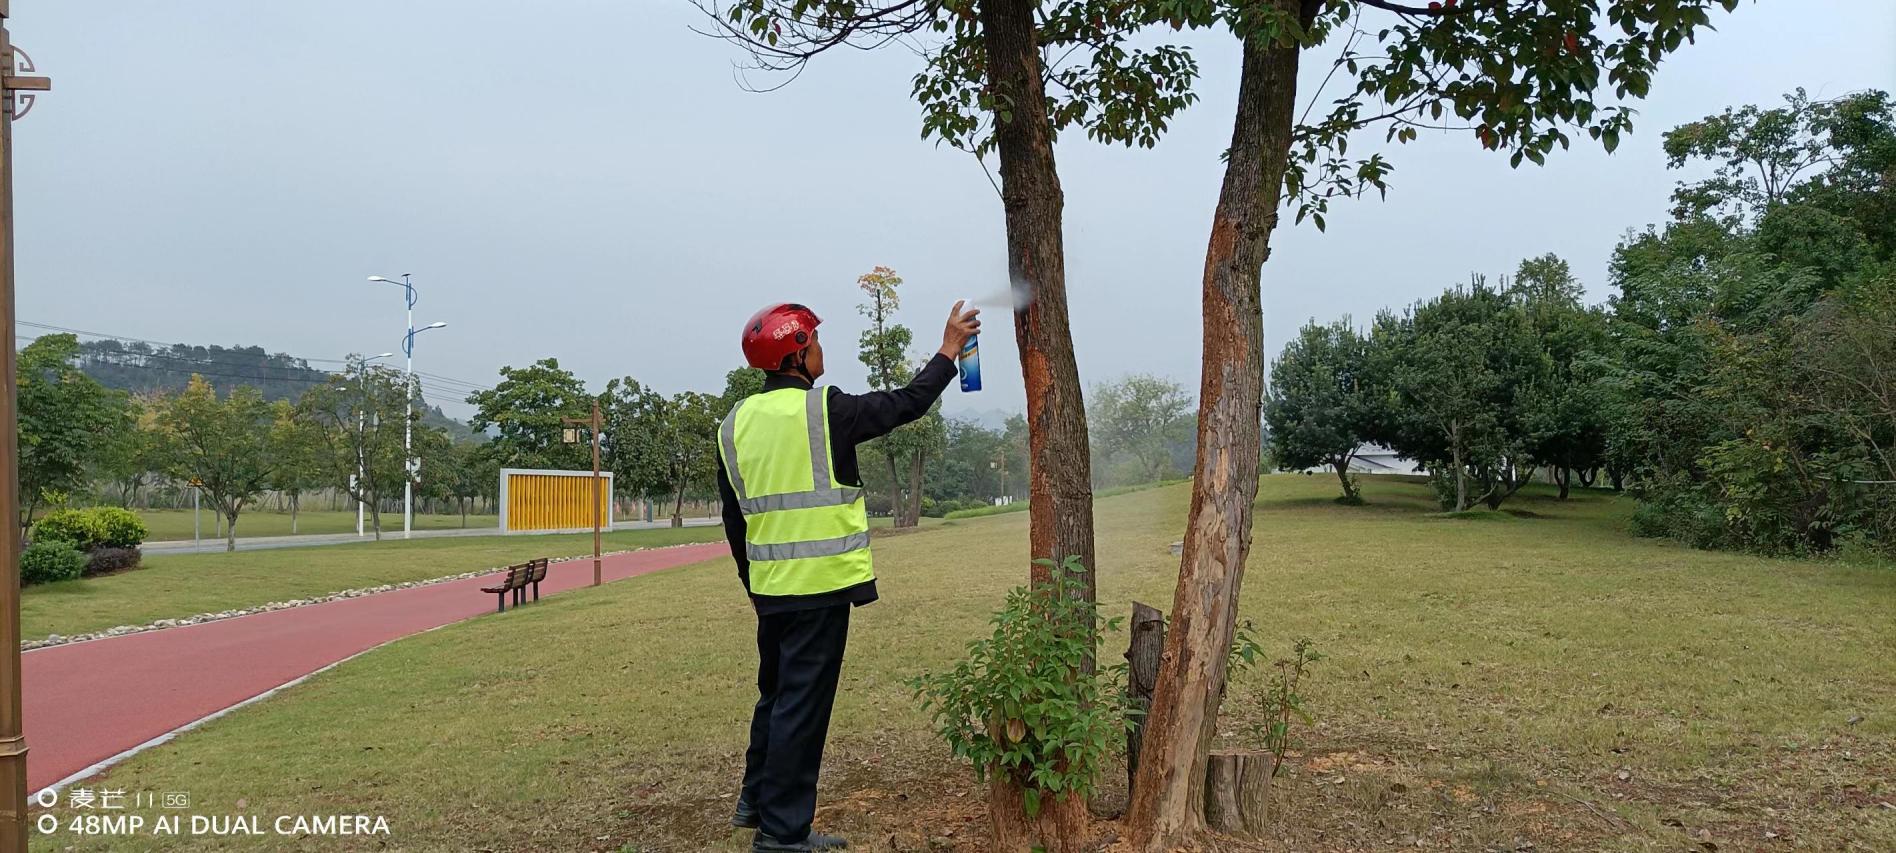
x: 87, y: 702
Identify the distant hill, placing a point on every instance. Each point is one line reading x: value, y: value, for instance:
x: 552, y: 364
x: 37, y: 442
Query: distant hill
x: 141, y: 368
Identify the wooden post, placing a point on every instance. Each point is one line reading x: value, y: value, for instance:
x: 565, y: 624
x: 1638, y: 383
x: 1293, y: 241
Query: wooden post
x: 1142, y: 675
x: 13, y: 822
x: 595, y: 423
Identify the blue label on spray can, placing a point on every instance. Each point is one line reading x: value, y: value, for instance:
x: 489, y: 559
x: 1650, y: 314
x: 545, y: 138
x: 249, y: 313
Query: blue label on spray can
x: 971, y: 364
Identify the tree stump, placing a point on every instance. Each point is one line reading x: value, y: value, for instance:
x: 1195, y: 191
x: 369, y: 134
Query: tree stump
x: 1237, y: 790
x: 1142, y: 675
x: 1060, y: 826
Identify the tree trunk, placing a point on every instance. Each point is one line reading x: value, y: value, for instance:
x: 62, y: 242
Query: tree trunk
x: 375, y: 515
x: 1143, y: 654
x: 915, y: 490
x: 1461, y: 468
x: 1589, y: 476
x: 678, y: 507
x: 295, y: 501
x: 1168, y: 804
x: 1060, y: 494
x: 1237, y: 791
x: 1059, y: 826
x: 898, y: 508
x: 230, y: 533
x: 1342, y: 466
x: 1564, y: 477
x: 464, y: 512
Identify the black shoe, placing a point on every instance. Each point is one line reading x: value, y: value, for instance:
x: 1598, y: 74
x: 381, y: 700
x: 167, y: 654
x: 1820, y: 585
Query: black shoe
x: 745, y: 817
x: 763, y: 843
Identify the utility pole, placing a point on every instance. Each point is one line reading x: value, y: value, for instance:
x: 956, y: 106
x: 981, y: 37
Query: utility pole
x: 16, y: 98
x: 571, y: 435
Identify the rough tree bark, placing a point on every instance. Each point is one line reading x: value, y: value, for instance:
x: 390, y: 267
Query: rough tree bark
x: 1143, y: 653
x: 1168, y: 804
x: 1059, y: 827
x: 1237, y: 791
x: 1060, y: 509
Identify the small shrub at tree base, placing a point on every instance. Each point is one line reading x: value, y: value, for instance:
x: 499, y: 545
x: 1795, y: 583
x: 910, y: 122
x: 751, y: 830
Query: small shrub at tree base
x: 118, y: 528
x: 1280, y: 700
x: 75, y: 527
x: 50, y: 560
x: 105, y: 559
x: 1020, y: 703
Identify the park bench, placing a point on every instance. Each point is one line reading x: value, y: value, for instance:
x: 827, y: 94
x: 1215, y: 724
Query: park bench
x: 538, y: 573
x: 515, y: 583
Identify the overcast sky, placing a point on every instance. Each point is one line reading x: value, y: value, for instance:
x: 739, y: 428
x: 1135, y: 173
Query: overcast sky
x: 584, y: 179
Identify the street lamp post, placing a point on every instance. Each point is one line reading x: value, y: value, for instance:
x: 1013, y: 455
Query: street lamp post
x: 362, y: 473
x: 409, y: 468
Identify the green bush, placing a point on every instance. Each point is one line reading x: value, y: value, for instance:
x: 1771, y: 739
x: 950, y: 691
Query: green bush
x: 76, y: 527
x: 988, y: 509
x: 118, y: 528
x: 1675, y: 509
x: 94, y: 527
x: 109, y: 559
x: 938, y: 509
x: 49, y: 560
x: 1019, y: 703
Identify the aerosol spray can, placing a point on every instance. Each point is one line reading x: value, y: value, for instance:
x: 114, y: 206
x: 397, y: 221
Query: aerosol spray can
x: 970, y: 360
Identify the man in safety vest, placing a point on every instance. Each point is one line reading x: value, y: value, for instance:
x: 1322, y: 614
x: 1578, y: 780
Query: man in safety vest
x: 793, y: 511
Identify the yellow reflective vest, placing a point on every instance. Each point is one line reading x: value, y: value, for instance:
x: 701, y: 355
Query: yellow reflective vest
x: 804, y: 533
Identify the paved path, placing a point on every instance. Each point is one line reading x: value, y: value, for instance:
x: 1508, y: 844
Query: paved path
x: 88, y: 702
x: 259, y: 543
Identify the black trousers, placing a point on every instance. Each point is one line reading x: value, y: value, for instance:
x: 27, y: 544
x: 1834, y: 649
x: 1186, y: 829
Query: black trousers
x: 799, y: 657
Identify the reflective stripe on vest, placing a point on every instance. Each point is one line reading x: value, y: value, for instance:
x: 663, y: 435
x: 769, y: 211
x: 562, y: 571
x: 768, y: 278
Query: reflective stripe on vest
x: 804, y: 533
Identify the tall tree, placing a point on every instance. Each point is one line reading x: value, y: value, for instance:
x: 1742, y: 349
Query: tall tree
x: 1759, y: 154
x: 1143, y: 417
x: 1568, y: 424
x: 223, y: 445
x: 297, y: 458
x: 738, y: 384
x: 357, y: 418
x: 883, y: 347
x: 132, y: 455
x: 524, y: 410
x: 987, y: 88
x: 67, y: 421
x: 1323, y: 403
x: 636, y: 452
x: 689, y: 434
x: 1516, y: 77
x: 1466, y: 374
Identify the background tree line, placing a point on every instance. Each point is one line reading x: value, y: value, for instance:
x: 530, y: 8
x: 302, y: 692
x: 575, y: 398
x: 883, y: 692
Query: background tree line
x: 1740, y: 380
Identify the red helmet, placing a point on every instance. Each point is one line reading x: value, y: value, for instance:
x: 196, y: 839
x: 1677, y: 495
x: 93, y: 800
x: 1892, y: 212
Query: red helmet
x: 777, y: 332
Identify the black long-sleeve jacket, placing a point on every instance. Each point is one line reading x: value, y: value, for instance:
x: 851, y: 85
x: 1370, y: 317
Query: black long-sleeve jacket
x: 853, y: 419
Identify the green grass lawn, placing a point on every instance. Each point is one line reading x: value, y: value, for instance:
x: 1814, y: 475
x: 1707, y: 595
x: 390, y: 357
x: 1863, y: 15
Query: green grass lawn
x: 1540, y: 678
x: 175, y: 524
x: 175, y: 585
